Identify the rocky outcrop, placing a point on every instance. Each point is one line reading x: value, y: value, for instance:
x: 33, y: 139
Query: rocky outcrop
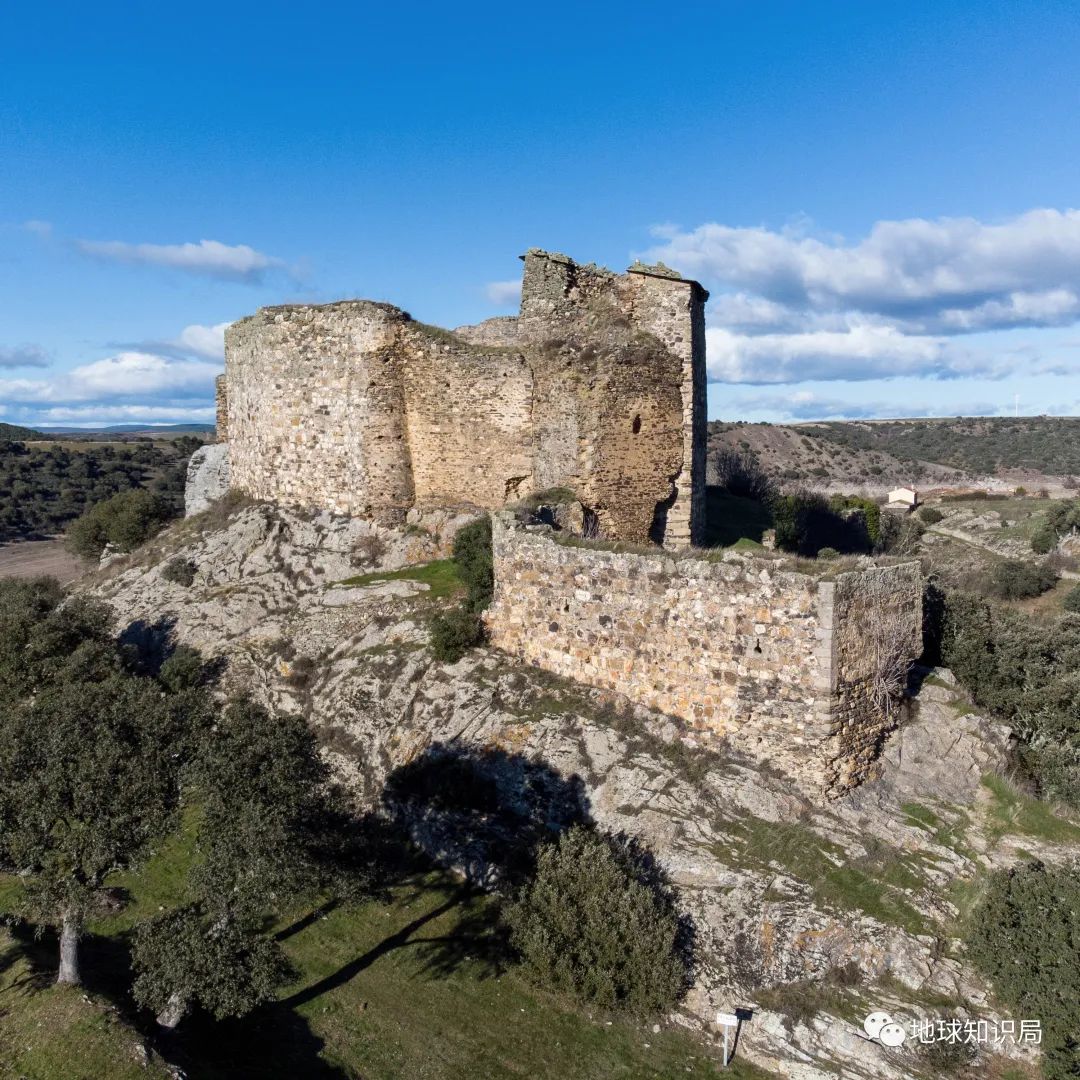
x: 207, y: 477
x: 849, y: 902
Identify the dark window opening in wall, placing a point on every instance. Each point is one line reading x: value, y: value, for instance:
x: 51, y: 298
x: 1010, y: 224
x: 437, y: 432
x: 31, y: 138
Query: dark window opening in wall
x: 636, y: 424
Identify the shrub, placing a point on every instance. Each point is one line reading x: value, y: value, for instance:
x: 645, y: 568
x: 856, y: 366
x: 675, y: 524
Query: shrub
x: 742, y: 474
x: 987, y: 647
x: 1044, y: 540
x: 598, y: 922
x: 900, y: 534
x: 1024, y: 937
x: 472, y: 555
x: 179, y: 571
x: 368, y: 550
x: 827, y: 553
x: 1016, y: 579
x: 805, y: 522
x: 930, y: 515
x: 126, y: 520
x: 455, y: 632
x: 1072, y: 599
x: 871, y: 513
x: 460, y: 629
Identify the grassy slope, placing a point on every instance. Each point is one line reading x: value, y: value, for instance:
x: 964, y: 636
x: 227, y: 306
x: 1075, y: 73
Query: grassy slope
x: 440, y: 576
x: 401, y: 988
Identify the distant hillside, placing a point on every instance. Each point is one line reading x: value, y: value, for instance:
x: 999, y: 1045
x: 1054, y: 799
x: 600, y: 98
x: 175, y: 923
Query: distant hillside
x: 152, y: 431
x: 10, y: 432
x: 804, y: 456
x: 979, y: 445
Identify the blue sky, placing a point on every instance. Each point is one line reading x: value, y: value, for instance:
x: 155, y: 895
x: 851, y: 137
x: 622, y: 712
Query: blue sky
x: 880, y: 196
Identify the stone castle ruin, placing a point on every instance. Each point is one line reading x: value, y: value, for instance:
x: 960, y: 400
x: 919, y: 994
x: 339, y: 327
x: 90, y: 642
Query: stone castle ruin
x: 597, y: 387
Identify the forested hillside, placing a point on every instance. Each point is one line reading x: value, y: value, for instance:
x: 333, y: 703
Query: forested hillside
x: 43, y: 488
x: 1046, y: 444
x: 13, y: 431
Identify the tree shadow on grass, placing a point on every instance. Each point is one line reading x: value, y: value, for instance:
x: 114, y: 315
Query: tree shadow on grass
x: 272, y: 1042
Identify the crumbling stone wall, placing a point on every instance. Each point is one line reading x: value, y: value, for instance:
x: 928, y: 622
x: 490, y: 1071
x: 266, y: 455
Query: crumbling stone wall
x: 780, y: 665
x: 221, y: 410
x: 597, y: 386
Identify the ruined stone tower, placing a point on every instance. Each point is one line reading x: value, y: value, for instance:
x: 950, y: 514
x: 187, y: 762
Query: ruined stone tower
x: 598, y: 385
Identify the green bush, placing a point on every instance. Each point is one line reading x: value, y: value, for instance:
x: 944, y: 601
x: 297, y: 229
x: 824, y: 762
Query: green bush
x: 126, y: 520
x: 1025, y: 937
x: 1044, y: 540
x: 1028, y: 672
x: 179, y: 571
x: 930, y: 515
x: 473, y: 558
x: 597, y: 922
x: 1072, y: 599
x: 1017, y: 579
x: 742, y: 474
x: 805, y: 522
x: 455, y: 632
x: 827, y: 553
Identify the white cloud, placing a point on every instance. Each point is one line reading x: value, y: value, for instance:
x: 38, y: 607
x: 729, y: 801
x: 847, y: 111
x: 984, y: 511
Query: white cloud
x: 208, y: 257
x: 790, y: 306
x: 503, y: 293
x: 126, y: 375
x: 206, y: 341
x: 1029, y: 267
x: 857, y: 353
x: 13, y: 356
x: 39, y: 228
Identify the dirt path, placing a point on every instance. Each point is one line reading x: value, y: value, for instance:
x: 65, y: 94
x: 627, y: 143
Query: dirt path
x: 32, y: 558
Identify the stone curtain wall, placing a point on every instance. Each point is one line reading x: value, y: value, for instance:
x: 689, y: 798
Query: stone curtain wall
x: 766, y: 660
x: 356, y: 408
x: 221, y: 409
x: 875, y: 623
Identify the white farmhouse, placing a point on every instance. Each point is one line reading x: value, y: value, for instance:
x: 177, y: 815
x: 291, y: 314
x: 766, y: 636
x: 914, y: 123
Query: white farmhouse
x: 903, y: 498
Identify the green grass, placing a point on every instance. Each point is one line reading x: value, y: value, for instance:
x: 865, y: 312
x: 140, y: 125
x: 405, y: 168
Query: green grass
x: 1011, y: 811
x: 410, y: 985
x: 441, y: 577
x: 50, y: 1032
x: 875, y: 885
x: 950, y: 834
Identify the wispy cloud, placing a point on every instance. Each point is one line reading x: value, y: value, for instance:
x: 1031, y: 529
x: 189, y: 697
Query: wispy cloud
x: 807, y: 405
x: 503, y: 294
x: 209, y: 258
x: 13, y: 356
x: 39, y: 228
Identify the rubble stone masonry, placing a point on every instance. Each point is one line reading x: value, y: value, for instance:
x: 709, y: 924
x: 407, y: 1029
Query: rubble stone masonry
x: 783, y: 666
x: 597, y: 386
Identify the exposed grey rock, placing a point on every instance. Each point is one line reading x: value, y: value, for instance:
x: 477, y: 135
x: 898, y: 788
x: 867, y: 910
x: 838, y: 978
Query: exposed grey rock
x: 947, y: 747
x: 750, y: 858
x: 207, y: 477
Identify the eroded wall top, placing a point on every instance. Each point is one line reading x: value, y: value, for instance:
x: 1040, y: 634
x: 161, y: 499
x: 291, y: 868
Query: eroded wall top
x: 598, y: 385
